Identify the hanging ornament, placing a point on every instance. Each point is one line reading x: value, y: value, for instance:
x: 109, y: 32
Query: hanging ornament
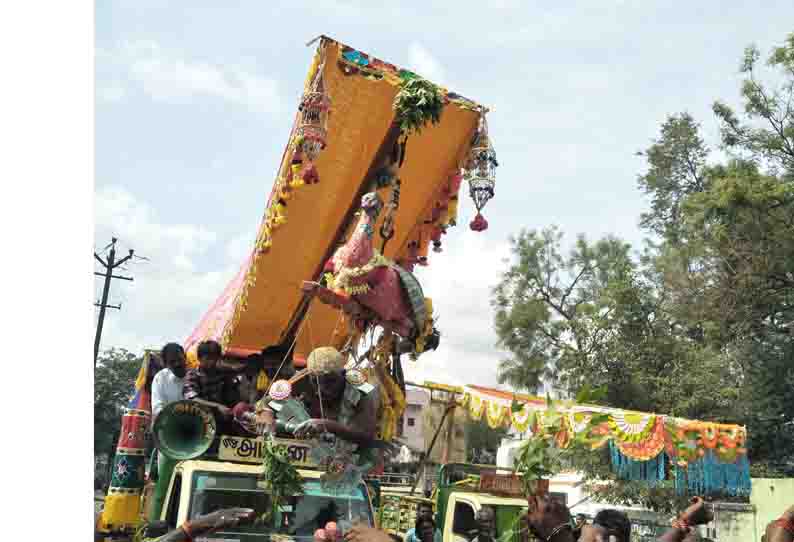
x: 311, y: 132
x: 481, y: 172
x: 280, y: 390
x: 355, y: 377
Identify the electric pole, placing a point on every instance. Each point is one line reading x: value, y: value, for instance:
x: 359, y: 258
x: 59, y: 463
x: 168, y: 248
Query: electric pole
x: 109, y: 266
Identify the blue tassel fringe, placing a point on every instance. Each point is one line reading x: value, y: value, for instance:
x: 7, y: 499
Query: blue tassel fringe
x: 706, y: 476
x: 650, y: 471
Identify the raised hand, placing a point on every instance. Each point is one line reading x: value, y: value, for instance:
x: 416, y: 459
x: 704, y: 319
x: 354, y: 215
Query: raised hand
x: 220, y: 519
x: 782, y: 529
x: 697, y: 513
x: 309, y: 428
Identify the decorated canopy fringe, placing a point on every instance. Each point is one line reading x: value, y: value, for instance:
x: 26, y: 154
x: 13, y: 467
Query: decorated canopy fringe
x: 637, y: 436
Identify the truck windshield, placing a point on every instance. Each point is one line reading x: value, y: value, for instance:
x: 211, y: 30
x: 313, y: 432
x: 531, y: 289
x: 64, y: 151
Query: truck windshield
x: 298, y: 519
x: 508, y: 522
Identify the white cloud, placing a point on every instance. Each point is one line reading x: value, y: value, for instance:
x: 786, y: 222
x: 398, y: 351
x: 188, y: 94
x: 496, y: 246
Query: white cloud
x: 165, y: 76
x: 459, y: 280
x: 170, y: 291
x: 119, y: 211
x: 240, y: 247
x: 111, y: 92
x: 426, y: 65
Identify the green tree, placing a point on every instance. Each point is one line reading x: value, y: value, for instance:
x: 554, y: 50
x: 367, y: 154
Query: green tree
x: 482, y: 442
x: 676, y: 168
x: 701, y: 325
x: 609, y: 325
x: 550, y: 314
x: 766, y: 133
x: 114, y: 385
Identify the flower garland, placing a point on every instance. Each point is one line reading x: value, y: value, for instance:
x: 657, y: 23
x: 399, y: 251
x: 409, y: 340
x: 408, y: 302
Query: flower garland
x: 342, y: 279
x: 632, y: 426
x: 638, y: 436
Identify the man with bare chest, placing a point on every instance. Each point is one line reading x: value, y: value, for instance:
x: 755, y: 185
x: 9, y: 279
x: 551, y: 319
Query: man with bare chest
x: 341, y: 403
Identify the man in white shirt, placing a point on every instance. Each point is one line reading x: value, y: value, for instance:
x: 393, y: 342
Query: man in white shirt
x: 168, y: 382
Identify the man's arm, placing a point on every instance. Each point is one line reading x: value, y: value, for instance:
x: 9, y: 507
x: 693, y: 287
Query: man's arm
x: 192, y: 391
x: 363, y: 428
x: 696, y: 514
x: 223, y: 409
x: 202, y: 525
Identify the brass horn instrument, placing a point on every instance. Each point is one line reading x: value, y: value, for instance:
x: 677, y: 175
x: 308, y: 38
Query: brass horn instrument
x: 184, y: 430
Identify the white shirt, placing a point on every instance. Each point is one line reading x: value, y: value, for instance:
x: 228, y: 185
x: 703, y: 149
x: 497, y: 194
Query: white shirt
x: 166, y: 388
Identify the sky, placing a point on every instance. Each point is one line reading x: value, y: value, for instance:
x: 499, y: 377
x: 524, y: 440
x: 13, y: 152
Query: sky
x: 195, y: 101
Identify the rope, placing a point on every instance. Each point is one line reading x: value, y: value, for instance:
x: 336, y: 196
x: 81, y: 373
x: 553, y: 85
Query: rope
x: 316, y: 376
x: 289, y: 351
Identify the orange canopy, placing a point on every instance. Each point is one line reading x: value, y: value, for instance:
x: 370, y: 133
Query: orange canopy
x: 264, y: 304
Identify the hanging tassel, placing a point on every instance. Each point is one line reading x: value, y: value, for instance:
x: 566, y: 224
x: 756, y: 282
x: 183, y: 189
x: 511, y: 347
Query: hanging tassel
x: 295, y: 175
x: 310, y: 174
x: 262, y: 381
x: 651, y: 471
x: 280, y: 213
x: 479, y: 223
x: 452, y: 211
x: 708, y: 475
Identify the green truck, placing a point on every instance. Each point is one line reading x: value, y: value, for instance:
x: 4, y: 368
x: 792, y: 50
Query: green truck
x: 463, y: 489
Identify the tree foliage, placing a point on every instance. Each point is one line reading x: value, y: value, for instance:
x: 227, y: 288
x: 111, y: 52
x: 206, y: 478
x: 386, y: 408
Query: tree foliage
x: 700, y: 324
x: 482, y: 441
x: 114, y: 380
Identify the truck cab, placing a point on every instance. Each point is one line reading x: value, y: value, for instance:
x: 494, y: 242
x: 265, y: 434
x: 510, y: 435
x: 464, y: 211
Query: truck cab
x: 463, y: 491
x: 203, y: 485
x: 460, y: 517
x: 460, y: 494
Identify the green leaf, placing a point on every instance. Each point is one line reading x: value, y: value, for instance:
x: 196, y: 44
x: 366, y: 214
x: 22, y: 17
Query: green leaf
x: 584, y: 394
x: 515, y: 406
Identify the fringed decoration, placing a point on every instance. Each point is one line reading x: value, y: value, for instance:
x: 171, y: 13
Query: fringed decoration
x: 262, y: 381
x: 708, y: 475
x: 650, y: 471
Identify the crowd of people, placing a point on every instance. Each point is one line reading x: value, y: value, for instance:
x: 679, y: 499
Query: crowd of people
x: 231, y: 388
x: 546, y: 520
x: 217, y: 384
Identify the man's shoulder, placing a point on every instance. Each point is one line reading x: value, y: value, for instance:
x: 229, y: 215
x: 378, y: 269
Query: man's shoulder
x: 160, y: 376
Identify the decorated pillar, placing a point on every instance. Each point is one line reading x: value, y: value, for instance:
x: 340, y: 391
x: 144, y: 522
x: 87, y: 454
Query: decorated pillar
x: 123, y: 502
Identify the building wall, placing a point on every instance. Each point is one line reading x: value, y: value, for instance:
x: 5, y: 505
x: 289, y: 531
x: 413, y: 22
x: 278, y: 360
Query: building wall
x: 450, y: 446
x: 734, y: 523
x: 771, y: 497
x: 413, y: 430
